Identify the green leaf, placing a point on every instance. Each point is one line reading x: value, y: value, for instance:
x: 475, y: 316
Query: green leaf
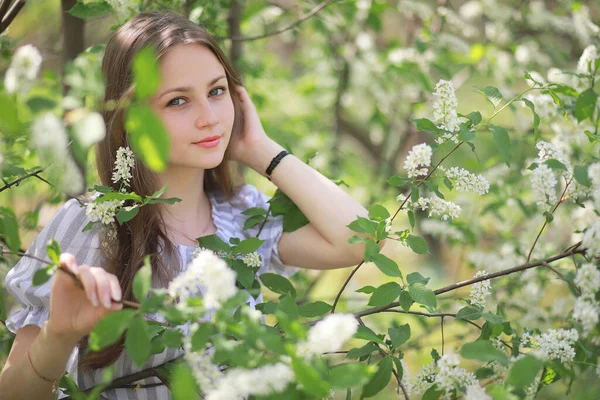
x: 398, y: 181
x: 42, y: 275
x: 470, y: 313
x: 351, y: 374
x: 148, y: 137
x: 585, y: 104
x: 493, y: 318
x: 252, y: 221
x: 473, y: 116
x: 417, y: 244
x: 502, y: 142
x: 201, y: 336
x: 288, y: 305
x: 127, y: 214
x: 381, y: 378
x: 399, y: 335
x: 367, y: 334
x: 363, y: 225
x: 277, y: 283
x: 145, y: 73
x: 555, y: 164
x: 433, y: 393
x: 90, y: 10
x: 309, y: 378
x: 405, y: 300
x: 415, y: 277
x: 184, y: 385
x: 9, y: 228
x: 9, y: 121
x: 361, y: 351
x: 378, y: 212
x: 366, y: 289
x: 523, y: 372
x: 483, y: 350
x: 581, y: 175
x: 316, y: 309
x: 465, y: 134
x: 248, y: 246
x: 411, y: 218
x: 172, y: 338
x: 536, y: 119
x: 137, y: 341
x: 425, y: 125
x: 422, y: 295
x: 214, y: 243
x: 142, y: 281
x: 492, y: 94
x: 110, y: 328
x: 385, y: 294
x: 386, y: 265
x: 53, y: 250
x: 118, y: 196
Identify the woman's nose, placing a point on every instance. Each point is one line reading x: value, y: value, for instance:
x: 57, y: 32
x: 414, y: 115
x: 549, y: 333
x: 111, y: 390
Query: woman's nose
x: 206, y: 116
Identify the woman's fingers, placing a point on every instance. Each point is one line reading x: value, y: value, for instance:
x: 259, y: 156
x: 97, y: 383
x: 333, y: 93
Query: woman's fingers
x: 89, y: 283
x: 115, y: 287
x: 68, y: 260
x: 102, y: 286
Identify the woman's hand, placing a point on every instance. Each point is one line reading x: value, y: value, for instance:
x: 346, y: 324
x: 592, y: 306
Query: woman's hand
x: 253, y: 135
x: 74, y: 312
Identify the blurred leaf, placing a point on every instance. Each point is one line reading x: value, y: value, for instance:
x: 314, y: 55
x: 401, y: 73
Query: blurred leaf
x: 148, y: 137
x: 110, y: 328
x: 585, y: 105
x: 90, y: 10
x: 483, y: 350
x: 137, y: 341
x: 142, y: 281
x: 277, y: 283
x: 145, y: 73
x: 502, y: 142
x: 380, y: 379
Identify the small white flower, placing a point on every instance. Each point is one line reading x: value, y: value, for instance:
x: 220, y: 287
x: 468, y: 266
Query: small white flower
x: 23, y: 69
x: 588, y: 279
x: 418, y: 160
x: 423, y: 379
x: 48, y: 134
x: 480, y: 290
x: 445, y: 114
x: 465, y: 181
x: 329, y: 335
x: 591, y: 239
x: 587, y: 312
x: 252, y: 260
x: 587, y: 60
x: 543, y: 184
x: 124, y: 163
x: 557, y: 343
x: 261, y: 381
x: 451, y: 376
x: 104, y: 211
x: 439, y: 207
x: 208, y: 274
x: 476, y: 392
x: 442, y: 229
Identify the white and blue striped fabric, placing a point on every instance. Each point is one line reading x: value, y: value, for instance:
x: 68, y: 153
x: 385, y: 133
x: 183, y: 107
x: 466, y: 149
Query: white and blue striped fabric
x: 66, y: 228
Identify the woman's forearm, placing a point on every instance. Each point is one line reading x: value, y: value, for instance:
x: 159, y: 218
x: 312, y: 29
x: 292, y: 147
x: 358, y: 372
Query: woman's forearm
x: 49, y: 355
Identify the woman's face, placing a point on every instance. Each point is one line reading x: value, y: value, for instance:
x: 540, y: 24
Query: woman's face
x: 194, y: 103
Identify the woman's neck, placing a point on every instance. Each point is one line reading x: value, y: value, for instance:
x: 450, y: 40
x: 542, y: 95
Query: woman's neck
x: 193, y: 212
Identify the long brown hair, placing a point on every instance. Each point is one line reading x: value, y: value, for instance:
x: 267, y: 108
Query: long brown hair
x: 143, y: 234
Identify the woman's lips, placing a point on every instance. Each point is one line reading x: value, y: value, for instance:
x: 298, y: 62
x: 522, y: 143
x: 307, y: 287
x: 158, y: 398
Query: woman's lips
x: 209, y: 143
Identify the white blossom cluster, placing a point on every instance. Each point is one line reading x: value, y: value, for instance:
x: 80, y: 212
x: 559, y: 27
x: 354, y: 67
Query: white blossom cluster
x: 445, y: 115
x: 480, y: 290
x: 465, y: 181
x: 23, y: 69
x: 557, y: 343
x: 587, y: 60
x: 124, y: 163
x: 104, y: 211
x: 543, y: 184
x: 402, y: 55
x: 328, y: 335
x: 252, y: 260
x: 594, y: 176
x: 476, y: 392
x: 418, y: 160
x: 442, y: 229
x: 198, y: 250
x: 548, y: 151
x: 48, y: 134
x: 436, y: 206
x: 210, y: 275
x: 591, y: 239
x: 544, y: 105
x: 422, y: 380
x: 587, y: 309
x: 451, y: 376
x: 261, y: 381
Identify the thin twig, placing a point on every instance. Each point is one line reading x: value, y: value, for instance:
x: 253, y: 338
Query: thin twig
x: 22, y: 178
x: 314, y: 11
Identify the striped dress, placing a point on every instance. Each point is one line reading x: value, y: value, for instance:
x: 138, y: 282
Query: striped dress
x: 66, y: 228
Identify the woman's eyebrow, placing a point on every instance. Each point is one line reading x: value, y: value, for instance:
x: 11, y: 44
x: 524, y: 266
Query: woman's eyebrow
x: 189, y: 88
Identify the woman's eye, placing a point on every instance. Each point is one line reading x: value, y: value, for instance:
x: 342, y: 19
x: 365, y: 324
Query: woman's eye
x: 177, y: 101
x: 224, y: 89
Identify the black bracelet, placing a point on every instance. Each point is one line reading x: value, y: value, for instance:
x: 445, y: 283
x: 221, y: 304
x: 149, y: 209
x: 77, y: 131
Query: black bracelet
x: 274, y: 163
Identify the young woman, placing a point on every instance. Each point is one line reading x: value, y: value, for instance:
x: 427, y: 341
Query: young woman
x: 200, y: 99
